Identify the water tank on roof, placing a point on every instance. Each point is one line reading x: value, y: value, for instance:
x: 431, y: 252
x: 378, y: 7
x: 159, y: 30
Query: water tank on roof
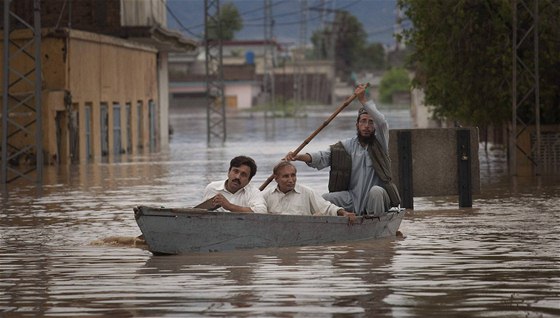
x: 250, y: 57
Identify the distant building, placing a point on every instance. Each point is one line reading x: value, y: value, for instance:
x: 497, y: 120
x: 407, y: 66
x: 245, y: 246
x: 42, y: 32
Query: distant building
x: 241, y: 87
x: 243, y: 75
x: 105, y: 80
x: 420, y: 112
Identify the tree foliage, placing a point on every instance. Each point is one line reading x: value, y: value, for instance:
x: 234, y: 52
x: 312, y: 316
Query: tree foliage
x: 463, y: 58
x: 230, y: 20
x: 350, y: 49
x: 371, y: 57
x: 394, y: 80
x: 350, y: 40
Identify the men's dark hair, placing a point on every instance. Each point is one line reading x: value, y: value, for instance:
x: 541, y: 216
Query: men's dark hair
x: 281, y: 165
x: 244, y: 160
x: 361, y: 111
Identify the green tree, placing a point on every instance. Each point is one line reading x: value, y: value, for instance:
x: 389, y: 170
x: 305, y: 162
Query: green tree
x: 394, y: 80
x: 321, y: 44
x: 463, y: 58
x: 230, y: 20
x: 371, y: 57
x: 349, y: 44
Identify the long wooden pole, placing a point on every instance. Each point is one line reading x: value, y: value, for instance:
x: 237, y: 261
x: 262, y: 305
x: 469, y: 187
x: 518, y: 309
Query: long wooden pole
x: 317, y: 131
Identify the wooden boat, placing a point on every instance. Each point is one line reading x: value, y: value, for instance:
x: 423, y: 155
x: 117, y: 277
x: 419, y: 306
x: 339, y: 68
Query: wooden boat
x: 187, y: 230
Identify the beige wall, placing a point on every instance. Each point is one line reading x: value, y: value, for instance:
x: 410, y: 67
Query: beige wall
x: 94, y: 69
x: 104, y: 69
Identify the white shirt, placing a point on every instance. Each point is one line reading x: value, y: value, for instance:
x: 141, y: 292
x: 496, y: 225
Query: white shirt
x: 302, y: 200
x: 247, y: 196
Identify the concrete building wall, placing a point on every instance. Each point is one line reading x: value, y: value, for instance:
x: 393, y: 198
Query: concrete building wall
x: 82, y: 69
x: 434, y: 160
x: 143, y: 12
x: 95, y: 15
x: 106, y: 70
x: 124, y: 18
x: 182, y: 88
x: 83, y: 14
x: 421, y: 116
x: 242, y: 92
x: 318, y: 74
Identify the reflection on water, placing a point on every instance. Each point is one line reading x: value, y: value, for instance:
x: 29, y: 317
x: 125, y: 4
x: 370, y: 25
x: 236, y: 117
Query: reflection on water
x: 328, y: 280
x: 67, y: 249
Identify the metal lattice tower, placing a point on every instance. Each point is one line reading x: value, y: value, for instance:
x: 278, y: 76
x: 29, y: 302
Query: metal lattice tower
x: 332, y: 52
x: 300, y: 83
x: 21, y: 99
x: 525, y: 76
x: 269, y: 57
x: 216, y: 107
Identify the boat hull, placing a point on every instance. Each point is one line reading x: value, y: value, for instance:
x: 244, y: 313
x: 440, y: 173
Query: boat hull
x: 179, y: 231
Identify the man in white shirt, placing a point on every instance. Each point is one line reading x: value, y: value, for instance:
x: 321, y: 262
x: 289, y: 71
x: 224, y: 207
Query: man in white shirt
x: 236, y: 194
x: 291, y: 198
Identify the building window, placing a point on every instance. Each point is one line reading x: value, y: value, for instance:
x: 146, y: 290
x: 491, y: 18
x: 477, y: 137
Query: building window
x: 128, y: 127
x: 74, y: 134
x: 87, y: 131
x: 152, y: 120
x: 140, y: 124
x: 104, y: 129
x: 117, y: 147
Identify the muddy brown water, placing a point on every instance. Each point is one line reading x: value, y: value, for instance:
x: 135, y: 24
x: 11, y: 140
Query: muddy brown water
x: 67, y: 248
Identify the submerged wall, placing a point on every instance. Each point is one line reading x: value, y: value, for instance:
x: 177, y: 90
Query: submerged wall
x: 430, y: 164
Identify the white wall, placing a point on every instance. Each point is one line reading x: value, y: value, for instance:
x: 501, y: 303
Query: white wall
x: 143, y: 13
x: 243, y: 91
x: 420, y: 112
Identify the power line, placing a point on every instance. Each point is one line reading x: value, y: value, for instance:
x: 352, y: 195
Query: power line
x: 179, y: 22
x: 290, y: 13
x: 202, y: 24
x: 309, y: 8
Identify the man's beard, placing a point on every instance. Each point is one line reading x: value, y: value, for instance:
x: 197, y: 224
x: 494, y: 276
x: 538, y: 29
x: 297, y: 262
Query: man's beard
x: 366, y: 140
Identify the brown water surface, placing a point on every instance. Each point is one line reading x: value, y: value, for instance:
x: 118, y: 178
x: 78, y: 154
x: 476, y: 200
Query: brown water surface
x: 67, y: 249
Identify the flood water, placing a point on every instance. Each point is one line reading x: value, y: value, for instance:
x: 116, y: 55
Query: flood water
x: 67, y: 250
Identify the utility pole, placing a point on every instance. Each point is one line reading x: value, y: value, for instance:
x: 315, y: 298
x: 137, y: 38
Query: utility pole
x: 22, y: 98
x: 521, y: 71
x: 300, y: 74
x: 331, y: 40
x: 323, y: 15
x: 269, y: 57
x: 332, y: 52
x: 216, y: 103
x: 397, y: 28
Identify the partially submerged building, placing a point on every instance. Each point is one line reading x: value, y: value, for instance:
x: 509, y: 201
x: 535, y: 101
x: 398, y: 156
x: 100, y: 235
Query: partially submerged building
x: 244, y: 71
x: 104, y: 78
